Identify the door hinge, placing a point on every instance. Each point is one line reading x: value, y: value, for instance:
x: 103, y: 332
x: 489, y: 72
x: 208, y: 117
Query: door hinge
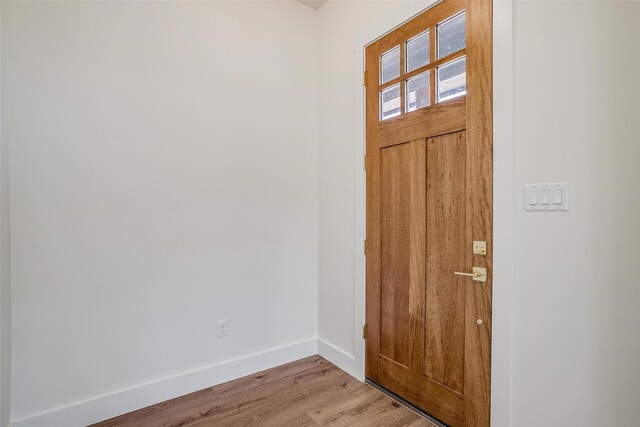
x: 364, y: 78
x: 364, y: 332
x: 365, y: 246
x: 365, y: 162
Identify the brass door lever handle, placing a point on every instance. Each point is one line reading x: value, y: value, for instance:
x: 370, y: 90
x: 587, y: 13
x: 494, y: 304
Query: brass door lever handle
x: 479, y: 274
x: 459, y: 273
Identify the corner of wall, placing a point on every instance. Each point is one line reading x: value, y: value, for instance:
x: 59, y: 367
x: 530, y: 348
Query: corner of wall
x: 341, y: 359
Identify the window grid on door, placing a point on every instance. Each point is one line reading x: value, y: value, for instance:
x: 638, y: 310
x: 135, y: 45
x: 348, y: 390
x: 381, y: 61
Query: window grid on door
x: 425, y: 70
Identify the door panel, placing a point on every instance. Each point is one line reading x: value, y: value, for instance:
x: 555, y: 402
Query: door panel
x: 395, y: 232
x: 445, y: 299
x: 429, y: 178
x: 403, y: 223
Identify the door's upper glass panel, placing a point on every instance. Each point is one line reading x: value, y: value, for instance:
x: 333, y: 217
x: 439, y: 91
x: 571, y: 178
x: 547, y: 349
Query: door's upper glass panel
x: 452, y: 79
x: 418, y: 94
x: 390, y: 65
x: 418, y: 51
x: 390, y: 102
x: 451, y: 35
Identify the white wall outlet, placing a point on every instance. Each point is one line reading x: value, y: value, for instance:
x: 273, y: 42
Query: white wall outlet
x: 223, y: 327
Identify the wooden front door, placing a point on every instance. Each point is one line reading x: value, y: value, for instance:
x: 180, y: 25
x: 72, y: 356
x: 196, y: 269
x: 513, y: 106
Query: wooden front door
x: 429, y: 208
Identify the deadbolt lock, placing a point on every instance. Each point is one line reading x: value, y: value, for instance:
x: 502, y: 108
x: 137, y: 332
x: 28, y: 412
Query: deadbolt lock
x: 479, y: 247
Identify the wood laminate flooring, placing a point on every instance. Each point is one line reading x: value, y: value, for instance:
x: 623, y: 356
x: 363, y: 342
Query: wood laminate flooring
x: 308, y: 392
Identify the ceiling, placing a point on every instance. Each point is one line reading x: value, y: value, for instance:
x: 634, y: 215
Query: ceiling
x: 315, y: 4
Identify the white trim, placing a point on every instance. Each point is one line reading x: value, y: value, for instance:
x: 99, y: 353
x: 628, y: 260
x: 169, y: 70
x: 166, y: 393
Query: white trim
x: 504, y: 211
x: 360, y: 216
x: 120, y: 402
x: 341, y: 359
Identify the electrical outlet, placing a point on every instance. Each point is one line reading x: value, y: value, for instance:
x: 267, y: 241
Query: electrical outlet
x: 223, y: 327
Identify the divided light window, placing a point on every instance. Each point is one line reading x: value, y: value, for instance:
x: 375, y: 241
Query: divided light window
x: 421, y: 72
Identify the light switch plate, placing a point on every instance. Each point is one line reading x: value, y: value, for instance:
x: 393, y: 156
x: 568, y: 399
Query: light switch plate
x: 547, y: 197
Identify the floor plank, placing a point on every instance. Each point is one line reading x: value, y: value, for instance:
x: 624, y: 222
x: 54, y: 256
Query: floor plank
x: 308, y: 392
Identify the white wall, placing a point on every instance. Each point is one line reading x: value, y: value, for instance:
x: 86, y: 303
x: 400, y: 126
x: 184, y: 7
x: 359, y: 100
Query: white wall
x: 577, y: 293
x: 144, y: 210
x: 163, y: 176
x: 5, y: 261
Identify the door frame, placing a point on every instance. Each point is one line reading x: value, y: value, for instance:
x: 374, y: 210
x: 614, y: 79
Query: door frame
x: 504, y: 203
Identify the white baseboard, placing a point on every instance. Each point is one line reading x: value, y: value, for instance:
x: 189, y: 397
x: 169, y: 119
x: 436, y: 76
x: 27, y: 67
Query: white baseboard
x: 342, y: 360
x: 127, y: 400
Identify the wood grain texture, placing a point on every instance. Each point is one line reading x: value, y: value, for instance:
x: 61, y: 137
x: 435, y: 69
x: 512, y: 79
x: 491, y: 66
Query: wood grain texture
x: 372, y: 258
x: 446, y: 253
x: 395, y: 231
x: 309, y: 392
x: 417, y: 254
x: 424, y: 123
x: 402, y: 284
x: 477, y: 368
x: 439, y: 401
x: 403, y: 254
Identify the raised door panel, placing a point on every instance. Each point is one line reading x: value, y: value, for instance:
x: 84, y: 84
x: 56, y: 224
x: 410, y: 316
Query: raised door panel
x: 402, y: 253
x: 446, y: 253
x: 395, y: 201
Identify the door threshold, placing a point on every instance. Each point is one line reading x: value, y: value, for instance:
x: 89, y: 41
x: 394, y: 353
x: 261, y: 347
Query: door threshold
x: 404, y: 402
